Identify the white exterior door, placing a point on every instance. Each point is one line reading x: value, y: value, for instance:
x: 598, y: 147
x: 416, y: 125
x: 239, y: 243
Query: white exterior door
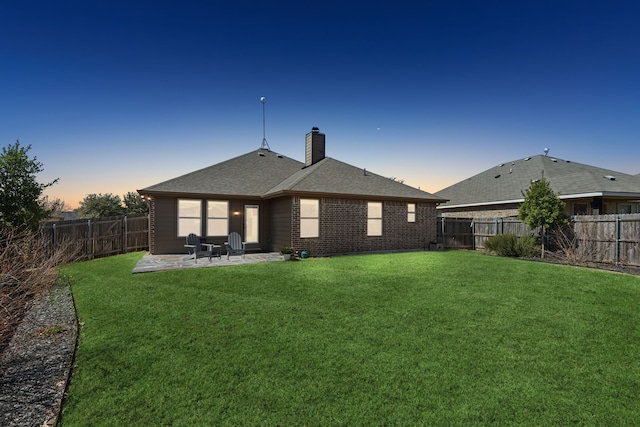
x: 251, y: 221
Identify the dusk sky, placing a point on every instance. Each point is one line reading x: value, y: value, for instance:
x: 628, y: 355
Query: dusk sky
x: 116, y: 96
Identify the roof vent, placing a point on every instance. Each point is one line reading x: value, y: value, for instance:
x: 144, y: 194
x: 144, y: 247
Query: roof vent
x: 527, y: 158
x: 610, y: 177
x: 261, y: 154
x: 501, y: 165
x: 554, y: 160
x: 497, y: 176
x: 279, y: 156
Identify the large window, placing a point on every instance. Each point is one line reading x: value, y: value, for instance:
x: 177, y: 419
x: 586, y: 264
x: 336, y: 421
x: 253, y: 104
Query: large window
x: 374, y: 219
x: 251, y: 220
x: 189, y: 217
x: 411, y: 212
x: 309, y: 218
x: 217, y: 218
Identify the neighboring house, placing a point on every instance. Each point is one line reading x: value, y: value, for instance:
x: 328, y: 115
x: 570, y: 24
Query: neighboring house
x: 63, y: 216
x: 323, y: 206
x: 497, y: 192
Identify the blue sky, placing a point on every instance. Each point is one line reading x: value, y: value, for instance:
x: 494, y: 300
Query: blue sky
x: 116, y: 96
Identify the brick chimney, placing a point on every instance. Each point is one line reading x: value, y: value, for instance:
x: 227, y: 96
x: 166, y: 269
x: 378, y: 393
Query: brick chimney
x: 314, y: 147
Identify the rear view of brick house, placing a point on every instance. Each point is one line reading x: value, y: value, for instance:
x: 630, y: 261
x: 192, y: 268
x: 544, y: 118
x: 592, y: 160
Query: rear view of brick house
x: 323, y: 206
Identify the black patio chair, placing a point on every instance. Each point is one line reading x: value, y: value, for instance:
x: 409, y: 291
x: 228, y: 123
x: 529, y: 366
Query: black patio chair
x: 235, y: 245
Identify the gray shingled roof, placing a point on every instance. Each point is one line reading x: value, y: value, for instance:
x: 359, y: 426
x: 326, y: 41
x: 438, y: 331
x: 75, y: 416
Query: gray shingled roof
x: 265, y: 173
x: 251, y: 174
x: 330, y: 176
x: 506, y: 182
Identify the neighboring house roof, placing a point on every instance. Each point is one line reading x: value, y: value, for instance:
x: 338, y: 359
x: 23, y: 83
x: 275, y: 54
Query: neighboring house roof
x: 267, y: 174
x: 505, y: 182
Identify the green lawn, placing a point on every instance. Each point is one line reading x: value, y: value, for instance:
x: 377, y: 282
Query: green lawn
x: 424, y: 338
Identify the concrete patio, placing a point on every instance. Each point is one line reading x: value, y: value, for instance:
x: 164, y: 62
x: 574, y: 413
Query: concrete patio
x: 150, y: 263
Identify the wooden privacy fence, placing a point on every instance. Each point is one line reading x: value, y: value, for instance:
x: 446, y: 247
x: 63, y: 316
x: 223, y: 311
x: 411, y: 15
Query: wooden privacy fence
x: 99, y: 237
x: 611, y: 239
x: 468, y: 233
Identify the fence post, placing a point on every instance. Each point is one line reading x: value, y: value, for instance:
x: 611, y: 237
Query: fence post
x: 90, y: 239
x: 124, y: 236
x: 473, y: 233
x: 617, y: 239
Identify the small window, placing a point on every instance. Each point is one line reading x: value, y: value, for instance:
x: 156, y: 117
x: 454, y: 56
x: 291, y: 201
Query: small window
x: 411, y: 212
x: 374, y: 219
x: 217, y: 218
x: 189, y: 217
x: 624, y: 209
x: 580, y: 209
x: 309, y: 218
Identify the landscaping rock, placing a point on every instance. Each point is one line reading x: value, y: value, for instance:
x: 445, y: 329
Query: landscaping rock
x: 35, y: 367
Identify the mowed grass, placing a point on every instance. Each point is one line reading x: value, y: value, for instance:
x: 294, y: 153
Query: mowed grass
x: 425, y: 338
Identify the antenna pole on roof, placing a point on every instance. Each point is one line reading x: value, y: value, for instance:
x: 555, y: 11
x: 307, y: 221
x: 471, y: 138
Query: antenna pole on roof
x: 265, y: 144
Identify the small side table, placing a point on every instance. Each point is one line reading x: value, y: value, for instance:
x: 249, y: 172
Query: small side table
x: 212, y: 247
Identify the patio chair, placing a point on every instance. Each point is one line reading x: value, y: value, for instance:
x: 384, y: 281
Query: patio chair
x: 235, y: 245
x: 194, y: 246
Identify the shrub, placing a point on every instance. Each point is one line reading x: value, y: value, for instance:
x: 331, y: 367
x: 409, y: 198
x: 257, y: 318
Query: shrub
x: 28, y: 267
x: 511, y: 245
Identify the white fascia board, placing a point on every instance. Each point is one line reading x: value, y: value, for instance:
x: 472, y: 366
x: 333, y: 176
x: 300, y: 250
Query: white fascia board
x: 600, y: 194
x: 562, y: 197
x: 479, y: 204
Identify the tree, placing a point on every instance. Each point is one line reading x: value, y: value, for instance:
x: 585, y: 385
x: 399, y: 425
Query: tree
x: 55, y: 206
x: 541, y: 208
x: 100, y: 205
x: 135, y: 204
x: 21, y: 203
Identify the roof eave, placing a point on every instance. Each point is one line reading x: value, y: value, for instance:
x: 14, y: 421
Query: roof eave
x: 281, y: 193
x: 153, y: 193
x: 478, y: 204
x: 562, y: 197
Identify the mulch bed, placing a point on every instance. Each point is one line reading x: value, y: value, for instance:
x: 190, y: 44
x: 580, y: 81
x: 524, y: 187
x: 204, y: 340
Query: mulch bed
x: 35, y: 365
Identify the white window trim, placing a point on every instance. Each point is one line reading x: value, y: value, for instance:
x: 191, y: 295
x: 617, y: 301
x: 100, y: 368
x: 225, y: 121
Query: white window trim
x: 185, y: 233
x: 313, y: 221
x: 371, y: 220
x: 411, y: 213
x: 226, y: 217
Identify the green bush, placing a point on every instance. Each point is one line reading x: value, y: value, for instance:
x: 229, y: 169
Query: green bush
x: 511, y: 245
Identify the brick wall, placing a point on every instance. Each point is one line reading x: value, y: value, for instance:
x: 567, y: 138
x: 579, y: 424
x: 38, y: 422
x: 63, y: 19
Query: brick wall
x: 343, y: 227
